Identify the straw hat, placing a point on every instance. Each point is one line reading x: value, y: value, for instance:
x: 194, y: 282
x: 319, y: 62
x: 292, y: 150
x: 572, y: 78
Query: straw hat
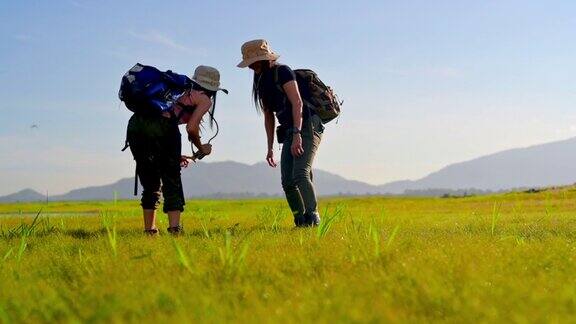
x: 256, y: 50
x: 208, y: 78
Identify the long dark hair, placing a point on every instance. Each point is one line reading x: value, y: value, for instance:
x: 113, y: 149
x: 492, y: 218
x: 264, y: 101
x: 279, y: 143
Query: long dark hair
x: 257, y: 94
x: 211, y: 95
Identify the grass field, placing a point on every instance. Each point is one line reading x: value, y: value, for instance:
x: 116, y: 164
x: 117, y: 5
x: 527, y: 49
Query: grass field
x: 505, y: 258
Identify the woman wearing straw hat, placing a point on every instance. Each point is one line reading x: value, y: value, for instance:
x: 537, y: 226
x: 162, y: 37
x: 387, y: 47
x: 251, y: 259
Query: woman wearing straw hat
x: 156, y: 146
x: 275, y: 91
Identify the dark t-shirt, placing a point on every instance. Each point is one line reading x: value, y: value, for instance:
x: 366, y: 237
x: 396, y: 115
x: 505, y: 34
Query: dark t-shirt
x: 274, y: 98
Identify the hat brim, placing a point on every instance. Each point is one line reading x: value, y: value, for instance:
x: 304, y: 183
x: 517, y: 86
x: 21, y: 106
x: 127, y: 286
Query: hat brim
x: 205, y: 85
x: 266, y: 57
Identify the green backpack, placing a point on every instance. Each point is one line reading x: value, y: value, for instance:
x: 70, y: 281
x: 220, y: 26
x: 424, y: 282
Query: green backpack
x: 316, y: 95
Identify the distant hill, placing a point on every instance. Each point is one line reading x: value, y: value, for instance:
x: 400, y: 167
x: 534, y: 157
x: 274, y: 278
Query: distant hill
x: 535, y: 166
x: 25, y: 195
x: 226, y: 180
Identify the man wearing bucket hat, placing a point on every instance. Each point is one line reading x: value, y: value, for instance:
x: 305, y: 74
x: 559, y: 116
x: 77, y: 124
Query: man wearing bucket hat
x: 155, y: 143
x: 275, y: 92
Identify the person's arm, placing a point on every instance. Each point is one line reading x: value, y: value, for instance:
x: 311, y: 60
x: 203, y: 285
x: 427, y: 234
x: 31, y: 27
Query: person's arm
x: 203, y: 104
x: 293, y: 94
x: 269, y: 125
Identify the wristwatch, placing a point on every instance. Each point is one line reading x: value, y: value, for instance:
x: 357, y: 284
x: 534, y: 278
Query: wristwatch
x: 296, y: 130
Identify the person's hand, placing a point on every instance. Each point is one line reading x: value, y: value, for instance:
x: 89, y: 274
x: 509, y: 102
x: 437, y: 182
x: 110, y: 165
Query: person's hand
x: 296, y: 148
x: 206, y: 149
x: 270, y: 158
x: 184, y: 161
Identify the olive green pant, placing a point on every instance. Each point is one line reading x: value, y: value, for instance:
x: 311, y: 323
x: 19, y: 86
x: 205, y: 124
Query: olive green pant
x: 156, y: 145
x: 297, y: 171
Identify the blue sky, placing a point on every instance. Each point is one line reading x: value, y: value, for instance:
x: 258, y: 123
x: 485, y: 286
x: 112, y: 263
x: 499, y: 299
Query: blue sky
x: 425, y: 83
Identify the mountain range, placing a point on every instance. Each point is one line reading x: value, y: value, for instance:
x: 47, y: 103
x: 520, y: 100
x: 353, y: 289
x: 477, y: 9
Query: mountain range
x: 535, y: 166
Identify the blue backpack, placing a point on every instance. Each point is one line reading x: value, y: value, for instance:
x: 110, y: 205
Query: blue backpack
x: 148, y: 91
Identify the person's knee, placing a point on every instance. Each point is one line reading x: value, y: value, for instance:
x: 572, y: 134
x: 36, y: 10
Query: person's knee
x: 173, y: 198
x: 151, y: 188
x: 150, y: 199
x: 173, y: 192
x: 288, y: 184
x: 302, y: 176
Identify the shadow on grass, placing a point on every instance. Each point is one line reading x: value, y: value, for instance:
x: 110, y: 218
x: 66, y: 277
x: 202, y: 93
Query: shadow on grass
x: 83, y: 234
x: 237, y: 230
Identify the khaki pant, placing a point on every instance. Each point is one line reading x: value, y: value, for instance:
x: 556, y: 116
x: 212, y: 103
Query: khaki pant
x: 297, y: 171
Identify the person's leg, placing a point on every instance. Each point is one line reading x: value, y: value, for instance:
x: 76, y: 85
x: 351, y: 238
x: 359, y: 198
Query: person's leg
x: 150, y: 181
x: 174, y: 218
x: 171, y: 178
x: 293, y: 196
x: 173, y: 199
x: 149, y: 219
x: 311, y: 138
x: 140, y: 135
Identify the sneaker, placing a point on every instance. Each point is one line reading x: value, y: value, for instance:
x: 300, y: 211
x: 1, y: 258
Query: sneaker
x: 151, y: 232
x: 176, y: 230
x: 312, y: 219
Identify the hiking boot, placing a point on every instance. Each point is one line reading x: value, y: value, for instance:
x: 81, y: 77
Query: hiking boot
x: 300, y: 221
x: 151, y: 232
x: 176, y: 230
x: 312, y: 219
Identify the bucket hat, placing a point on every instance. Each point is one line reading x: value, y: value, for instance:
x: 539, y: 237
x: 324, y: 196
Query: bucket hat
x: 208, y: 78
x: 256, y: 50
